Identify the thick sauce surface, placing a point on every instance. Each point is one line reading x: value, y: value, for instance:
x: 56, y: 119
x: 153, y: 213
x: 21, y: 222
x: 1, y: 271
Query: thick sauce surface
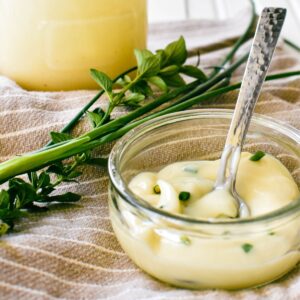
x: 266, y: 185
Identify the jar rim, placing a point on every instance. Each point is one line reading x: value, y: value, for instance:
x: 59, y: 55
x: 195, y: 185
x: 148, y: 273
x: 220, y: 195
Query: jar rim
x: 121, y: 187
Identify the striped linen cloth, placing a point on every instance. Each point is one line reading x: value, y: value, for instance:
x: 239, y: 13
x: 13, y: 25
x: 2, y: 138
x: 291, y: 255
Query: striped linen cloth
x: 70, y: 251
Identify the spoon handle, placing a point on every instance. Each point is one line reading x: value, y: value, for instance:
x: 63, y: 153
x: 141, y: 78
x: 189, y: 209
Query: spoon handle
x: 264, y: 43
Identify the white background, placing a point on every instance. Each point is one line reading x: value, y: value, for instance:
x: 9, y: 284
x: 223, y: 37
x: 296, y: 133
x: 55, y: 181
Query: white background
x: 171, y: 10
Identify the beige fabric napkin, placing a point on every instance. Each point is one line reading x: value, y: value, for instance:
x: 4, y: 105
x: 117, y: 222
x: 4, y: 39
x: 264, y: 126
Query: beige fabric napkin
x: 70, y: 251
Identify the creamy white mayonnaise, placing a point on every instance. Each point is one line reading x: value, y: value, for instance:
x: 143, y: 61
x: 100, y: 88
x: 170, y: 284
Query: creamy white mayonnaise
x: 238, y: 257
x: 265, y: 185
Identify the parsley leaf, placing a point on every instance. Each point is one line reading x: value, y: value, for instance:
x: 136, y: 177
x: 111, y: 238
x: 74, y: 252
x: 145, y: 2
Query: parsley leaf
x: 247, y: 247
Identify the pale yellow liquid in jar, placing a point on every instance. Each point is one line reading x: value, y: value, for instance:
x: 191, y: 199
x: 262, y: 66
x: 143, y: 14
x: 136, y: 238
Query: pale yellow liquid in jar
x: 241, y: 257
x: 52, y: 44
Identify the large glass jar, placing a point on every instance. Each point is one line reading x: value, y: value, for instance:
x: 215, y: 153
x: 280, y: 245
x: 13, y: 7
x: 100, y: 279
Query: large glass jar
x: 52, y: 44
x: 202, y: 253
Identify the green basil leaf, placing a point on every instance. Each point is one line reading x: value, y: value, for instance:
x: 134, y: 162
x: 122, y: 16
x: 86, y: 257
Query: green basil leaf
x: 58, y: 137
x: 102, y: 80
x: 135, y: 97
x: 4, y: 199
x: 94, y: 118
x: 142, y: 87
x: 149, y: 67
x: 161, y: 56
x: 169, y: 70
x: 133, y: 100
x: 159, y: 82
x: 174, y: 81
x: 124, y: 81
x: 141, y: 56
x: 194, y: 72
x: 176, y: 52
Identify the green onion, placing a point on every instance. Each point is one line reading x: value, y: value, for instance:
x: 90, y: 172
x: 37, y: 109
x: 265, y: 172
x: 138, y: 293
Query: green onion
x: 247, y: 247
x: 184, y: 196
x: 257, y: 156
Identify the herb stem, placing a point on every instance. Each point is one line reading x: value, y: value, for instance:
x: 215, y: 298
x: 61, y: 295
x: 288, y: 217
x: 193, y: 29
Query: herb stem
x: 116, y: 101
x: 115, y: 124
x: 79, y: 115
x: 21, y: 164
x: 125, y: 119
x: 292, y: 44
x: 214, y: 80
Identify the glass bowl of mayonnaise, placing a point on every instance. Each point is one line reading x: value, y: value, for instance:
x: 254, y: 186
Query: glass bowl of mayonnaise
x: 159, y: 173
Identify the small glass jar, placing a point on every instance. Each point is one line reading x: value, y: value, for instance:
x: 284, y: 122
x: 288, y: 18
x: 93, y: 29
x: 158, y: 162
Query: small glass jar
x: 52, y: 44
x: 190, y: 253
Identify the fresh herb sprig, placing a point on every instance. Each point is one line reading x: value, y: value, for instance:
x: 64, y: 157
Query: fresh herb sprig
x: 22, y: 195
x: 162, y: 70
x: 153, y: 70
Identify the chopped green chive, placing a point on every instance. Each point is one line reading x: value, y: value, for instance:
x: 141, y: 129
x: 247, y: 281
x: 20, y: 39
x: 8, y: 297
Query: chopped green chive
x: 190, y: 169
x: 247, y: 247
x: 271, y: 233
x: 257, y: 156
x: 184, y: 196
x: 156, y: 189
x: 185, y: 240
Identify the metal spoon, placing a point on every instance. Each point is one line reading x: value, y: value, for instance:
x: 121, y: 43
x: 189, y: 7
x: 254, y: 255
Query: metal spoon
x: 263, y: 46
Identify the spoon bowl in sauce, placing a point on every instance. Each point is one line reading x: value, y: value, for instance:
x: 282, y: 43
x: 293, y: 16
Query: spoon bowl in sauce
x: 263, y: 46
